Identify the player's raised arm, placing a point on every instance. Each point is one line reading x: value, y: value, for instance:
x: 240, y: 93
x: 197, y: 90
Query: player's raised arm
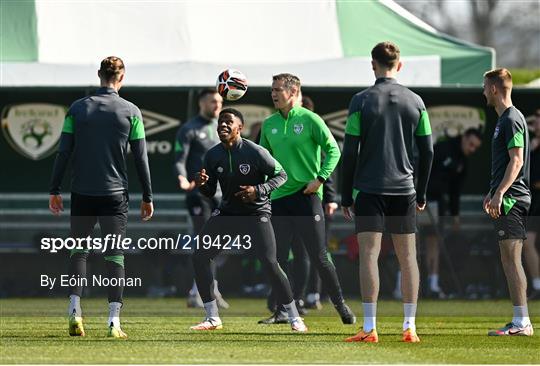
x: 60, y: 164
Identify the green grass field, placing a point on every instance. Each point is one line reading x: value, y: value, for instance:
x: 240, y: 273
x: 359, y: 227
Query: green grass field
x: 35, y: 331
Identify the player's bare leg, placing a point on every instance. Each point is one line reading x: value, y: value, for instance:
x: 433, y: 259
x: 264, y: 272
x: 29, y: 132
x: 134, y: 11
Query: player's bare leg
x: 405, y: 248
x: 369, y: 248
x: 511, y: 250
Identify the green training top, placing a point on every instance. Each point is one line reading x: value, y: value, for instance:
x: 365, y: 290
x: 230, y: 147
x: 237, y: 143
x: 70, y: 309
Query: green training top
x: 296, y: 143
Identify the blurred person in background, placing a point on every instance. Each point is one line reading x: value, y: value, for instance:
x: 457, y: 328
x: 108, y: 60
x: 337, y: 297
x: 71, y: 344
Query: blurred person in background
x: 193, y: 140
x: 530, y: 249
x: 448, y: 173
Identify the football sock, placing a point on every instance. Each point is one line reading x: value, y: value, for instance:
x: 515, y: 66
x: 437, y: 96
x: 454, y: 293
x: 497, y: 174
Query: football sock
x: 292, y: 311
x: 370, y: 316
x: 433, y: 280
x: 536, y: 283
x: 114, y: 314
x: 521, y: 316
x: 74, y: 305
x: 193, y: 291
x: 409, y: 320
x: 211, y: 309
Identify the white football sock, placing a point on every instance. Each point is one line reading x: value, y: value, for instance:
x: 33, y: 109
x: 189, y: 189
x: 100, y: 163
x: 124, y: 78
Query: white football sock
x: 292, y: 311
x: 194, y: 291
x: 74, y: 305
x: 521, y: 316
x: 536, y: 283
x: 114, y: 314
x: 211, y: 309
x: 409, y: 316
x: 433, y: 280
x: 370, y: 316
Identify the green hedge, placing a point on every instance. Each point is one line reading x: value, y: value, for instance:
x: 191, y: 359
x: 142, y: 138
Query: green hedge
x: 524, y: 76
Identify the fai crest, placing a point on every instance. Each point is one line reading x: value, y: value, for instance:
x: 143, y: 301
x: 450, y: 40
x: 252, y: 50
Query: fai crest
x: 298, y: 128
x: 496, y: 133
x: 33, y: 130
x: 244, y: 168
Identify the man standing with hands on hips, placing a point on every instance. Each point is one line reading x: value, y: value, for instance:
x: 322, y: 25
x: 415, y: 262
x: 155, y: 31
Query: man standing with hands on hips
x: 295, y: 137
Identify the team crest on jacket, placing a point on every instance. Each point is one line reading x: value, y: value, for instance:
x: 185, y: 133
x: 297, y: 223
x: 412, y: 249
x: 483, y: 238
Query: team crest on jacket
x: 298, y: 128
x: 244, y: 168
x: 496, y: 133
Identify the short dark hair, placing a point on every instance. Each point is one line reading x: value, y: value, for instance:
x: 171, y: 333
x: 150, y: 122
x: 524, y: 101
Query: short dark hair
x: 234, y: 112
x: 206, y: 91
x: 473, y: 131
x: 111, y: 67
x: 501, y: 78
x: 289, y: 80
x: 386, y: 54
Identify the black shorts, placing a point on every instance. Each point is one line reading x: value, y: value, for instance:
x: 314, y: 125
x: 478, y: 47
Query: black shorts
x: 512, y: 225
x: 110, y: 211
x: 385, y: 213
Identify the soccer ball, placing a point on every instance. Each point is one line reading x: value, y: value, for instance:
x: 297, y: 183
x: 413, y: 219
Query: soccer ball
x: 231, y: 84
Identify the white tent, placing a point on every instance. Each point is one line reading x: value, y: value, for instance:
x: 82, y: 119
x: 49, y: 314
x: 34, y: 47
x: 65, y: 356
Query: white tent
x: 187, y: 43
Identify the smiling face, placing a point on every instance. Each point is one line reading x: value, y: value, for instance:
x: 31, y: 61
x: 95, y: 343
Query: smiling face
x: 229, y: 127
x: 282, y: 96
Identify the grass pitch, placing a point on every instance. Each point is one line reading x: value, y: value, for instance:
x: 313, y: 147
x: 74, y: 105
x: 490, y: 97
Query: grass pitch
x: 35, y: 331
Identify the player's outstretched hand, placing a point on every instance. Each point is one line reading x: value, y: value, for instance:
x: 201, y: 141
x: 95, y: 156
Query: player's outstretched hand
x: 247, y: 194
x: 420, y: 206
x: 147, y: 210
x: 312, y: 186
x: 201, y: 178
x: 347, y: 212
x: 56, y: 205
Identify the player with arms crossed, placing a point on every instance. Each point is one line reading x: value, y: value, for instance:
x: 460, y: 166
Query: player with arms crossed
x: 509, y: 197
x: 384, y: 124
x: 96, y: 133
x: 247, y: 174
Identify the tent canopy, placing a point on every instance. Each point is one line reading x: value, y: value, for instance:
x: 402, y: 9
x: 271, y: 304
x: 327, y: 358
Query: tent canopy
x: 326, y: 43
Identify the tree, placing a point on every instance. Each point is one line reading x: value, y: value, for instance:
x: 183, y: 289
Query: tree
x: 511, y: 27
